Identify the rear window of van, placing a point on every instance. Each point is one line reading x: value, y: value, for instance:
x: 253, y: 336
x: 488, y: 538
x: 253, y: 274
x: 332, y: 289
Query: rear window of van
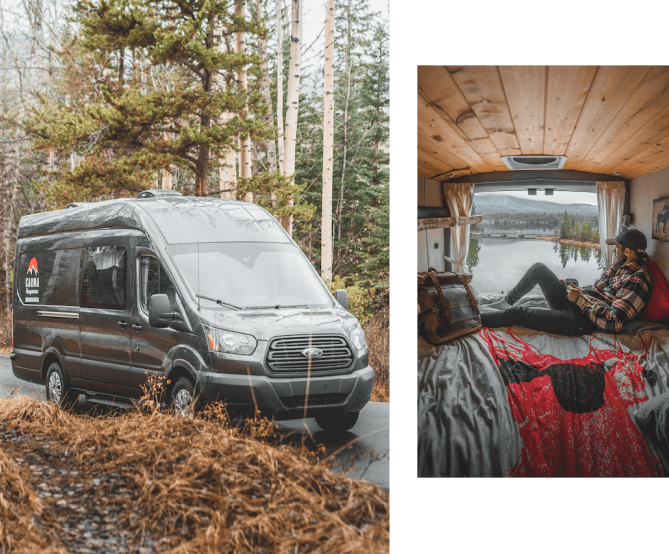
x: 50, y: 278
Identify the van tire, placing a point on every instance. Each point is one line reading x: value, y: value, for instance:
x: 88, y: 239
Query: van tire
x: 337, y: 422
x: 182, y: 397
x: 57, y: 389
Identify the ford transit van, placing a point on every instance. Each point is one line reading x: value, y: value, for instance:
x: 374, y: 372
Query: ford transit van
x: 213, y: 294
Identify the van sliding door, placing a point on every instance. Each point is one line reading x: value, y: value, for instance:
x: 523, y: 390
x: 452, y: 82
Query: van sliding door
x: 105, y: 316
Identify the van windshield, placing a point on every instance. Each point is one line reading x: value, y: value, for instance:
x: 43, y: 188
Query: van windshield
x: 250, y: 275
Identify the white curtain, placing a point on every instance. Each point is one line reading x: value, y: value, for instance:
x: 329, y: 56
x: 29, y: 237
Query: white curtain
x: 458, y: 198
x: 610, y: 205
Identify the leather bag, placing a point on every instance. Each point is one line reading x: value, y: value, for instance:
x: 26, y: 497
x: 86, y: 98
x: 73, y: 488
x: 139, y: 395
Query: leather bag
x: 447, y: 308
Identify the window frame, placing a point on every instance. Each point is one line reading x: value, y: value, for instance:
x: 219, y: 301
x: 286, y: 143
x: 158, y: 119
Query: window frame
x: 140, y: 304
x: 84, y: 263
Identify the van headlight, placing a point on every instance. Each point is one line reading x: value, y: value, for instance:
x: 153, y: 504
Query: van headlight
x: 358, y: 338
x: 227, y: 342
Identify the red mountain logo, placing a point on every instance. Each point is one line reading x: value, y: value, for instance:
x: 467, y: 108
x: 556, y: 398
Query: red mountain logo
x: 32, y: 267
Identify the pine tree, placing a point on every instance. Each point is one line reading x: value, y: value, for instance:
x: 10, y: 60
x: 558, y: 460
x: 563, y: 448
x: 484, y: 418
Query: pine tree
x: 360, y: 164
x: 572, y: 228
x: 564, y: 228
x: 149, y: 71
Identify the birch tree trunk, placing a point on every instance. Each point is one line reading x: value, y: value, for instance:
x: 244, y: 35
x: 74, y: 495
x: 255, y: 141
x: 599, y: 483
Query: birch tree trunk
x: 204, y: 151
x: 279, y: 85
x: 279, y: 92
x: 245, y: 168
x: 266, y: 91
x: 166, y: 181
x: 293, y: 101
x: 328, y: 143
x: 227, y: 165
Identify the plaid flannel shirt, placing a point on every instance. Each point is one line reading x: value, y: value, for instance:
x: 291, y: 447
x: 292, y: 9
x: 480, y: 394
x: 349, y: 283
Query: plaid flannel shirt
x: 620, y: 294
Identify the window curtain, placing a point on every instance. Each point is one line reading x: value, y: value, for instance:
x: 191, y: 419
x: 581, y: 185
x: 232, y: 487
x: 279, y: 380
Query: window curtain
x: 458, y: 198
x: 610, y: 206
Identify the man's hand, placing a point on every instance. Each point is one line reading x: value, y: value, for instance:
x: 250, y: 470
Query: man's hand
x: 573, y: 293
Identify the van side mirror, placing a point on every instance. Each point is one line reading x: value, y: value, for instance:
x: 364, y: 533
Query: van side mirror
x: 341, y: 296
x: 160, y: 313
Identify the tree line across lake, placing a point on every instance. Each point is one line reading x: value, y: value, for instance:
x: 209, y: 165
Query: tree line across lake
x: 569, y: 226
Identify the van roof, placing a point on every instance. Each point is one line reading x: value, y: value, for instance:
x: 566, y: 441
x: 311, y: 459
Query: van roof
x: 180, y: 219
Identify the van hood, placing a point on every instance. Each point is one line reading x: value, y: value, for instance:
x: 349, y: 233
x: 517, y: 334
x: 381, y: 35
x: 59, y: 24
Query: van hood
x: 265, y: 324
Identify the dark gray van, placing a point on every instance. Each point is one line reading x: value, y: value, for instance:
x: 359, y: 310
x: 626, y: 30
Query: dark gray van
x: 212, y: 293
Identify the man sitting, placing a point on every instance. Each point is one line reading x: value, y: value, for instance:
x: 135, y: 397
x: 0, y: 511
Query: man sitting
x: 620, y: 294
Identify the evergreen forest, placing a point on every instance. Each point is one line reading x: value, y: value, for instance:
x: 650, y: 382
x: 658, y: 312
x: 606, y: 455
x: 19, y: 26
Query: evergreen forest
x: 103, y: 99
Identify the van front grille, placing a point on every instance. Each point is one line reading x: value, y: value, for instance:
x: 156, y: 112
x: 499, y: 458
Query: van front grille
x: 299, y: 401
x: 291, y: 354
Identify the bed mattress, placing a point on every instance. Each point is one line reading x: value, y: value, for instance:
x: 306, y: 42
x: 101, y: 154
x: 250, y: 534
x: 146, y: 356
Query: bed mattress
x: 516, y: 402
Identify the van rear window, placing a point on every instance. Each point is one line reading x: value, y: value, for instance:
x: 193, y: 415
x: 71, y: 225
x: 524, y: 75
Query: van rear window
x: 104, y: 280
x: 50, y: 278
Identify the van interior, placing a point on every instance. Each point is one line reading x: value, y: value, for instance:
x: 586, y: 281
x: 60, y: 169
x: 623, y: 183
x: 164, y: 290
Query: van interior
x: 545, y: 405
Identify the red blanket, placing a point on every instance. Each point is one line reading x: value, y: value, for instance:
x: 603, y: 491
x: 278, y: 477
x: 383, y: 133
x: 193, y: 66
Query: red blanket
x: 572, y: 414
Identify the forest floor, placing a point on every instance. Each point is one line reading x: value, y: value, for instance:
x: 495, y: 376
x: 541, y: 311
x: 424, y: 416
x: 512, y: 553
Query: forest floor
x: 142, y: 481
x: 145, y: 481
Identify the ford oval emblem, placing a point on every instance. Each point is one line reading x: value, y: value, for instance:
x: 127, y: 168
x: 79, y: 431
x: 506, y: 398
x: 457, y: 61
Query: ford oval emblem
x: 312, y: 352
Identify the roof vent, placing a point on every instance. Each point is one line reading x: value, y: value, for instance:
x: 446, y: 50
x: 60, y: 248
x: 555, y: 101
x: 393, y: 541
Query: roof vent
x: 77, y: 205
x: 157, y: 193
x: 534, y: 162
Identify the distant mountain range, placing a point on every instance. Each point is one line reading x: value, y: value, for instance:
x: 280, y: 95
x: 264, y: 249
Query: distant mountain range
x: 489, y: 205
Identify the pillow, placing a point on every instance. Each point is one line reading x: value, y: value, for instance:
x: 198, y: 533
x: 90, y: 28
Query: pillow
x: 658, y: 305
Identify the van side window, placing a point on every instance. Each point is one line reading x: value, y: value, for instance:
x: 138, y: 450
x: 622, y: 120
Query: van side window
x: 50, y: 277
x: 103, y: 283
x: 154, y: 280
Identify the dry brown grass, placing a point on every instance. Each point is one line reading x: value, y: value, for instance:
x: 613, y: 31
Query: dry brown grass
x: 377, y: 333
x: 18, y: 504
x: 212, y: 486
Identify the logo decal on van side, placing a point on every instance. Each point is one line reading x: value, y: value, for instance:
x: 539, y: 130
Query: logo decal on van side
x: 32, y: 283
x: 312, y: 352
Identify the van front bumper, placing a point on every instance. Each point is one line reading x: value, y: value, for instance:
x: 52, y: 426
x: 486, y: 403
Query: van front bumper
x: 287, y: 397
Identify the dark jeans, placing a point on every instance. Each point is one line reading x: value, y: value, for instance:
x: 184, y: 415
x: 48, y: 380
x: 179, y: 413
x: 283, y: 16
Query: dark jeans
x: 563, y: 318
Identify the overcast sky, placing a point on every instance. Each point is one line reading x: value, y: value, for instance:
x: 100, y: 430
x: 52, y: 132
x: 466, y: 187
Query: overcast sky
x: 559, y: 196
x: 314, y: 18
x: 313, y: 26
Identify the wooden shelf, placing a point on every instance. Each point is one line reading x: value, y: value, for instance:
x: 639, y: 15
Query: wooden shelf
x: 443, y: 222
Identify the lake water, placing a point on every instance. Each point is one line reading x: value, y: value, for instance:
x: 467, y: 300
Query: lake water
x: 500, y: 263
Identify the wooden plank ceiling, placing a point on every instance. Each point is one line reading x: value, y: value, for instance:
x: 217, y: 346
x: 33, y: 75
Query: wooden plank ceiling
x: 605, y: 119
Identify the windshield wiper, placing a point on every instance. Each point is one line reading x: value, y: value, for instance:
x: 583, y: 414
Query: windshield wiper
x: 278, y: 307
x: 220, y: 302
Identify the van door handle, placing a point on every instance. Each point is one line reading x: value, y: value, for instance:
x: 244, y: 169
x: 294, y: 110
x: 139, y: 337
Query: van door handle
x: 136, y: 327
x: 122, y: 324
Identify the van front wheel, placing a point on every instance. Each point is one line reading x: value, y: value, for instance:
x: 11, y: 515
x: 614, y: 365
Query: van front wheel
x: 57, y: 389
x: 182, y: 399
x: 337, y: 422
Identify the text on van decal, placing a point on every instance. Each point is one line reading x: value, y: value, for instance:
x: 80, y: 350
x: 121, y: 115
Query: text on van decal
x: 32, y: 282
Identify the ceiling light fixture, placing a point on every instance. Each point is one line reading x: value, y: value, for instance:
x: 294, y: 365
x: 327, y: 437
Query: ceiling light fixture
x: 534, y: 162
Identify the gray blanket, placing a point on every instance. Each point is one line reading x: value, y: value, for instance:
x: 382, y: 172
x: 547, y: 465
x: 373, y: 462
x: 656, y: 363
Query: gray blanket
x: 521, y: 402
